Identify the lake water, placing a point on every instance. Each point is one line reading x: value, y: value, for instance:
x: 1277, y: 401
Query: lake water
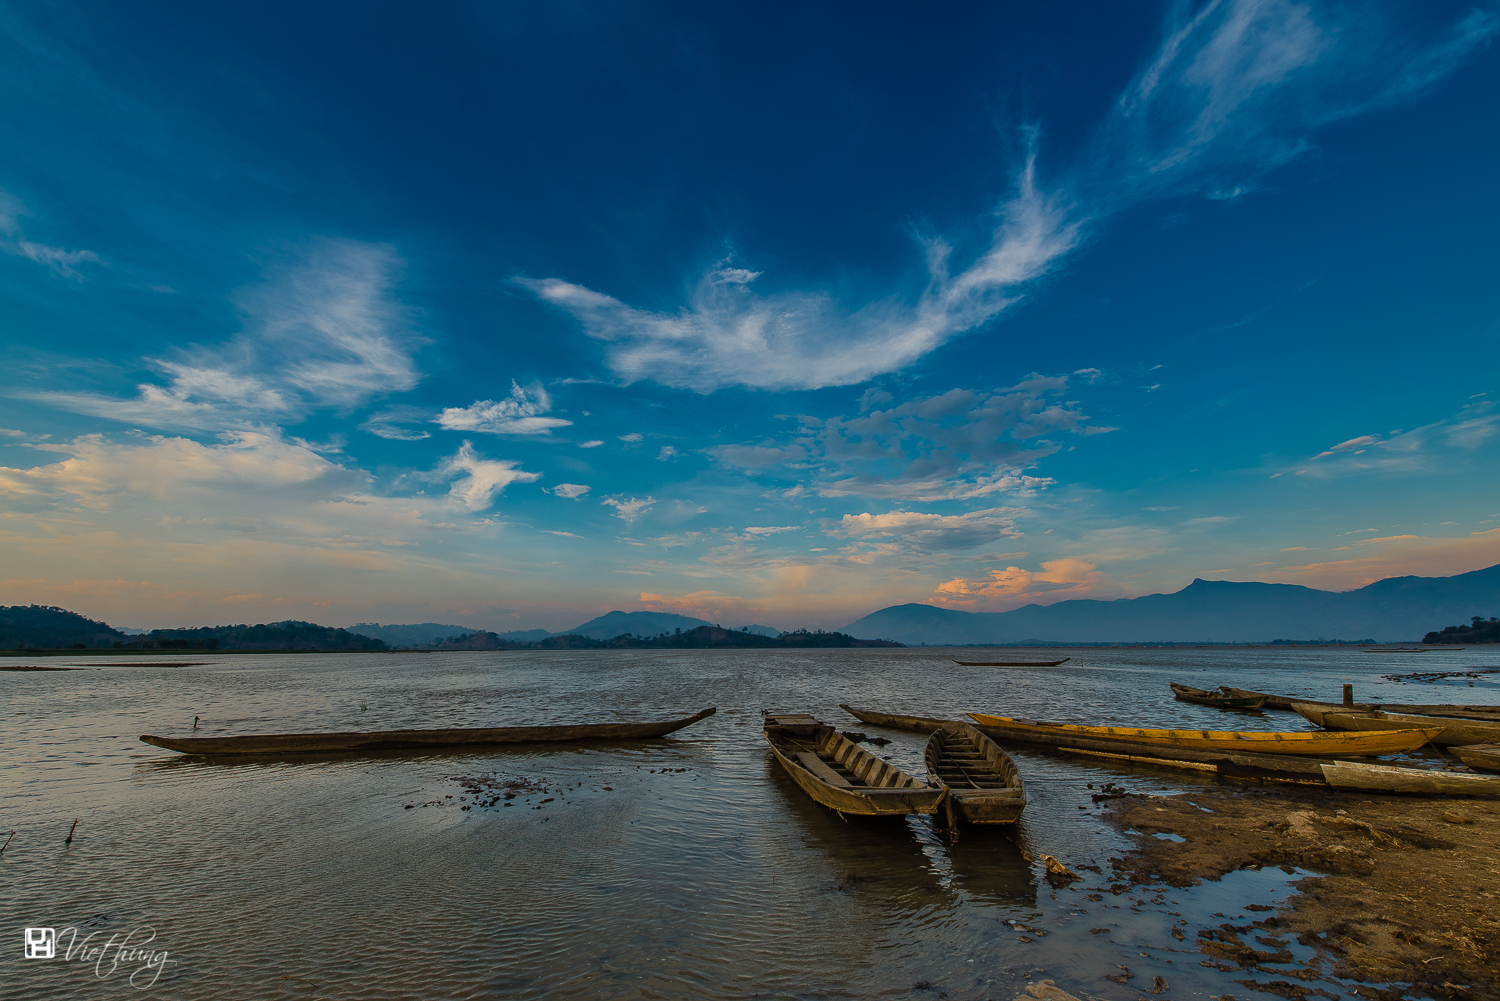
x: 687, y: 867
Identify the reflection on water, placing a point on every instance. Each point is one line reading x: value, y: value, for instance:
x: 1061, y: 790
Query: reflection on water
x: 685, y: 867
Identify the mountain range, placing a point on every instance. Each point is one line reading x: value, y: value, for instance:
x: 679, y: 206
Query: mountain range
x: 604, y: 627
x: 1397, y: 609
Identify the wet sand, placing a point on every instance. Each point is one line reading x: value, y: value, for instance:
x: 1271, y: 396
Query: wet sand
x: 1410, y: 906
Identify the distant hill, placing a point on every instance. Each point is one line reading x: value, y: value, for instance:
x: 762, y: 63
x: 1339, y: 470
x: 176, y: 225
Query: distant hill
x: 1397, y: 609
x: 419, y: 634
x: 49, y: 628
x: 617, y: 623
x: 701, y: 638
x: 289, y: 635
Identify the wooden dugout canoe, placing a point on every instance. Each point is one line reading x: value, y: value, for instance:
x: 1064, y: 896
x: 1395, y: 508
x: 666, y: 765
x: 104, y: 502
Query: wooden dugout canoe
x: 982, y: 781
x: 381, y: 740
x: 1454, y: 731
x: 1416, y: 708
x: 1011, y: 663
x: 1218, y: 699
x: 841, y: 775
x: 1384, y: 778
x: 892, y: 721
x: 1316, y: 744
x: 1485, y: 757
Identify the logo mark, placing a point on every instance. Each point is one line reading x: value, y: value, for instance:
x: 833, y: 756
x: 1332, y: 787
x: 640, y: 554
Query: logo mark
x: 41, y: 943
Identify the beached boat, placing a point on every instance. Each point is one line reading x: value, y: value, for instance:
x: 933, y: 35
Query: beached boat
x: 1415, y: 708
x: 1485, y: 757
x: 1385, y: 778
x: 983, y: 783
x: 841, y: 775
x: 1454, y: 731
x: 381, y: 740
x: 1218, y: 699
x: 1317, y: 744
x: 892, y: 721
x: 1011, y: 663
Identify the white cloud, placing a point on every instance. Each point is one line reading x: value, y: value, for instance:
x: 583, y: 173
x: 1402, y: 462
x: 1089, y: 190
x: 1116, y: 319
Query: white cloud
x: 955, y: 446
x: 772, y: 529
x: 565, y: 535
x: 667, y: 452
x: 590, y: 444
x: 324, y: 332
x: 1232, y: 92
x: 480, y: 480
x: 572, y: 491
x: 394, y: 423
x: 516, y: 415
x: 630, y: 509
x: 1058, y: 579
x: 13, y: 241
x: 633, y: 437
x: 932, y: 531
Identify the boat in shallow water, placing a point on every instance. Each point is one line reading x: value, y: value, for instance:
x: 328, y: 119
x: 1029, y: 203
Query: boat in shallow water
x: 1011, y: 663
x: 893, y: 721
x: 1454, y: 731
x: 843, y: 776
x: 1317, y: 743
x: 1485, y: 757
x: 1415, y: 708
x: 983, y: 783
x: 1384, y: 778
x: 1219, y: 699
x: 381, y: 740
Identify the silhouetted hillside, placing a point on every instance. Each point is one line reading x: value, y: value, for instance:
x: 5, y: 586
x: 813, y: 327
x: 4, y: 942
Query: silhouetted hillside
x: 1397, y: 609
x: 1481, y: 630
x: 288, y: 635
x: 50, y: 628
x: 702, y: 638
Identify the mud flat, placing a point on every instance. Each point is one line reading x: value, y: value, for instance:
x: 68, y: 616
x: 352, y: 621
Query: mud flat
x: 1409, y: 908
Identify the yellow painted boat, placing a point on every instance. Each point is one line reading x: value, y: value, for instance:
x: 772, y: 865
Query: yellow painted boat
x: 1315, y: 744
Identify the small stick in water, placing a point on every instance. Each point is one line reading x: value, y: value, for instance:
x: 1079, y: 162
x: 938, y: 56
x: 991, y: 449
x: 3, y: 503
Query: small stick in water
x: 7, y: 842
x: 195, y: 722
x: 69, y: 839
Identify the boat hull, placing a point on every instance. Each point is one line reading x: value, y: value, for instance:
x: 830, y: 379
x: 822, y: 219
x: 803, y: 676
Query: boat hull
x: 382, y: 740
x: 893, y: 721
x: 982, y: 780
x: 1383, y: 778
x: 1317, y: 744
x: 1485, y: 757
x: 1453, y: 732
x: 1011, y: 663
x: 1200, y: 697
x: 1487, y: 713
x: 818, y: 758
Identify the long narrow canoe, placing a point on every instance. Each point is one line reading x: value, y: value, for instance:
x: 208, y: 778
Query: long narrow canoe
x: 1218, y: 700
x: 1011, y: 663
x: 380, y: 740
x: 983, y: 783
x: 841, y: 775
x: 1316, y: 744
x: 1416, y: 708
x: 1485, y: 757
x: 1454, y: 731
x: 1383, y: 778
x: 892, y: 721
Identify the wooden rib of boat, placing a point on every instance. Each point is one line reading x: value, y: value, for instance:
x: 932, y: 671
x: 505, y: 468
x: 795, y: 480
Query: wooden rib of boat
x: 1218, y: 699
x: 1316, y: 744
x: 843, y: 776
x: 1384, y: 778
x: 1011, y: 663
x: 1415, y: 708
x: 982, y: 781
x: 380, y: 740
x: 1485, y: 757
x: 1454, y: 731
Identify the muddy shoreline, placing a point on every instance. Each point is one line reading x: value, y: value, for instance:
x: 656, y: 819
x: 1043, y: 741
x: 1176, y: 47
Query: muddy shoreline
x: 1409, y: 906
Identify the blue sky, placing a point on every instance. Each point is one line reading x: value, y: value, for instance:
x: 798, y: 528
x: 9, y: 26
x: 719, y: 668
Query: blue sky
x: 509, y: 315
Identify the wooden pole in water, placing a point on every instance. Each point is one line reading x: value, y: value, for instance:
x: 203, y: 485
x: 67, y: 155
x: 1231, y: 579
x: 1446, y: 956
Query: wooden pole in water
x: 1348, y: 695
x: 7, y: 842
x: 69, y: 839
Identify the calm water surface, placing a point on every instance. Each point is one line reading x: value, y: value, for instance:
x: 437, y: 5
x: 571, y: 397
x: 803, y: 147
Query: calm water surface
x: 688, y: 867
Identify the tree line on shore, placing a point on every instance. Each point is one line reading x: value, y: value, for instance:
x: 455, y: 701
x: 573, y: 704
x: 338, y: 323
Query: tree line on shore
x: 1480, y: 630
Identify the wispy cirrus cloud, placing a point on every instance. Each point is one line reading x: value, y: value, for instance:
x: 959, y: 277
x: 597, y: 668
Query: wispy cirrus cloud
x: 480, y: 480
x: 931, y: 531
x: 326, y: 331
x: 13, y: 241
x: 629, y: 509
x: 1406, y: 450
x: 1013, y: 586
x: 958, y: 445
x: 1233, y: 91
x: 518, y: 414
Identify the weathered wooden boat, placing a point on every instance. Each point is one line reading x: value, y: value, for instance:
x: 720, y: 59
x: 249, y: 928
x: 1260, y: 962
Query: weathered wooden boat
x: 1485, y: 757
x: 1011, y: 663
x: 1454, y: 731
x: 843, y: 776
x: 1218, y: 699
x: 983, y: 783
x: 1279, y: 768
x: 1385, y: 778
x: 1393, y: 649
x: 892, y: 721
x: 1310, y: 744
x: 381, y: 740
x: 1415, y: 708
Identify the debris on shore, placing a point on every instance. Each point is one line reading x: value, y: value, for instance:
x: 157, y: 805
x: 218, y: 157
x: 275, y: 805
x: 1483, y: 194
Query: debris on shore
x: 1411, y: 894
